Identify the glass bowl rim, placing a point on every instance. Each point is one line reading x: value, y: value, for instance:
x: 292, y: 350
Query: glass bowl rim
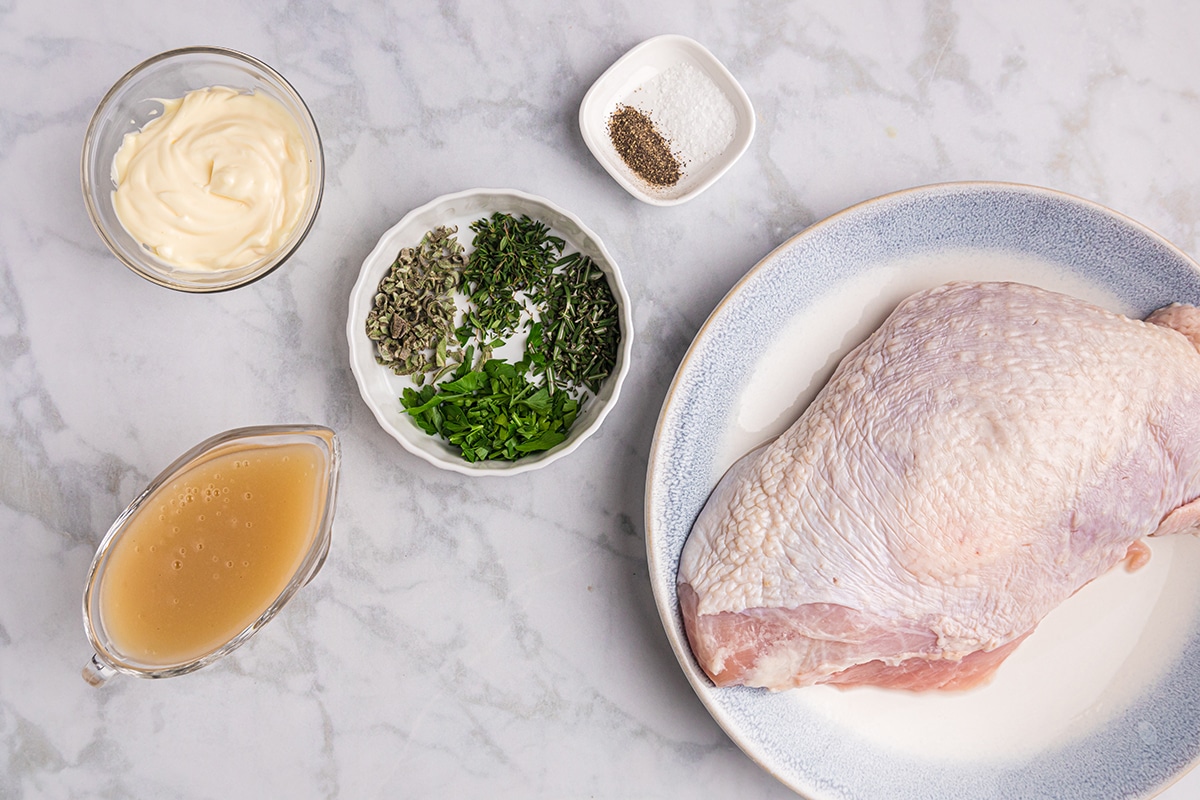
x: 89, y: 153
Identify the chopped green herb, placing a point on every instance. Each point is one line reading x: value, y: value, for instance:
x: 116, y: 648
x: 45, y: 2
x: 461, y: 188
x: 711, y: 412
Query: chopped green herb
x: 493, y: 412
x: 511, y: 256
x: 580, y: 334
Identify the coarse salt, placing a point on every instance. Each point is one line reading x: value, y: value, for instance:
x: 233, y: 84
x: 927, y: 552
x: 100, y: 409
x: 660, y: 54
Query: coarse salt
x: 690, y: 111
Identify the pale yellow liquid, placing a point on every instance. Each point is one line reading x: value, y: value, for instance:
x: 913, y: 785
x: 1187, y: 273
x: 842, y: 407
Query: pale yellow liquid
x: 210, y: 551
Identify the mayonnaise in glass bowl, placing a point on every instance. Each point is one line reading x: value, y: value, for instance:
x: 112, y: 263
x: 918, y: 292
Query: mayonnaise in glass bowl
x: 135, y: 101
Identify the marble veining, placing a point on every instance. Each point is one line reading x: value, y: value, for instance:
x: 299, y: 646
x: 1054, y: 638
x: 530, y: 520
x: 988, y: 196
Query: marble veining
x: 474, y: 637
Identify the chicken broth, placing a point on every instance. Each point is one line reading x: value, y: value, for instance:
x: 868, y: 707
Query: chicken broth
x: 211, y: 550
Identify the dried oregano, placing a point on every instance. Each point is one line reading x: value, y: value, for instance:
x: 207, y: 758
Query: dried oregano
x: 412, y: 318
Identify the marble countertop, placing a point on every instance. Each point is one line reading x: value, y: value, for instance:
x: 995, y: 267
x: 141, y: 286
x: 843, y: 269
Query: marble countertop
x: 473, y: 637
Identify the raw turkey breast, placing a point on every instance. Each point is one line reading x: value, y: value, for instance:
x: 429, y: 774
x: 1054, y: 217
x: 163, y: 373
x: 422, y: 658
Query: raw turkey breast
x: 984, y: 454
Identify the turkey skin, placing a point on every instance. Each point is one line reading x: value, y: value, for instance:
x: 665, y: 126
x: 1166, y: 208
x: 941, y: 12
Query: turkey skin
x: 989, y: 450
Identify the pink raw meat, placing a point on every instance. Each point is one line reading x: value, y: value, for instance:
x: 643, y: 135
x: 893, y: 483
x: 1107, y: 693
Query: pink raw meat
x: 989, y: 450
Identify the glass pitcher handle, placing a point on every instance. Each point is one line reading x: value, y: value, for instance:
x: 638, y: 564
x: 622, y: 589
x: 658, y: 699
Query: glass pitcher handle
x: 97, y: 672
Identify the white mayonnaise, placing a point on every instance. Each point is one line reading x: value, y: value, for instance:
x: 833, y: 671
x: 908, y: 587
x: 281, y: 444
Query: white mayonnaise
x: 217, y: 182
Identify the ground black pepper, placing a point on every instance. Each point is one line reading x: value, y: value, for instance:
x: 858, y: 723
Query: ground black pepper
x: 642, y: 147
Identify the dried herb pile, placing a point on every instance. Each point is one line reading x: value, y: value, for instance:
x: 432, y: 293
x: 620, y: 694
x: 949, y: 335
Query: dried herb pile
x: 514, y: 278
x: 643, y: 148
x: 412, y: 318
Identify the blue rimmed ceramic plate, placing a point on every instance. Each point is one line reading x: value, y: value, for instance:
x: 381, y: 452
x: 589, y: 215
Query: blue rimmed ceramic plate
x: 1103, y: 700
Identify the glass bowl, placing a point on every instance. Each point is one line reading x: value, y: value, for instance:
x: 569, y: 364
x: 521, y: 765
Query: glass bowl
x: 134, y: 101
x: 119, y: 580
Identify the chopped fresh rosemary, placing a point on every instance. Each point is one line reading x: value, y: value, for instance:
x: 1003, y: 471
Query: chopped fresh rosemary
x: 580, y: 332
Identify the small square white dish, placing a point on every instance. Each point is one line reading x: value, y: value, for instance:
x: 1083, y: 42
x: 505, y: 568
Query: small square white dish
x: 630, y: 82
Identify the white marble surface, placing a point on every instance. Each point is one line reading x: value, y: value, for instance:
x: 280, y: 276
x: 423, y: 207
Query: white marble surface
x: 473, y: 637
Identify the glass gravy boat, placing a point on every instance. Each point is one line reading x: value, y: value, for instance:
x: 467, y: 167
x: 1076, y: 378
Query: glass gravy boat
x: 211, y: 551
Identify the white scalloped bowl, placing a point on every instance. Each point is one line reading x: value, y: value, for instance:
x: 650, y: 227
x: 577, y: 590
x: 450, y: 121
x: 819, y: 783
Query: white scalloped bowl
x: 381, y: 389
